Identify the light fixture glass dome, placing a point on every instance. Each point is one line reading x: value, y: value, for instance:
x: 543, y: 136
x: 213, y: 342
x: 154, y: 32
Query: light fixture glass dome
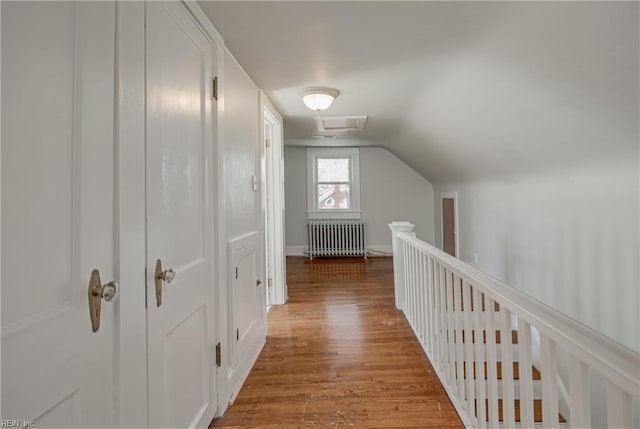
x: 318, y: 99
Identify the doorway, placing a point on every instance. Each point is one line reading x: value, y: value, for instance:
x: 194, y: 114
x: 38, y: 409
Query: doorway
x: 449, y: 231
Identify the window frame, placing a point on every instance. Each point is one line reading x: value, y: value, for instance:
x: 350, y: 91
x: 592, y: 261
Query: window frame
x: 353, y: 154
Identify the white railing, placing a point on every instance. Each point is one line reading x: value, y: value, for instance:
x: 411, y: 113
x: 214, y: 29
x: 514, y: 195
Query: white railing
x: 454, y: 310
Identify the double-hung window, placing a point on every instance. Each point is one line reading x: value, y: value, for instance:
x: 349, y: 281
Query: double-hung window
x: 333, y: 188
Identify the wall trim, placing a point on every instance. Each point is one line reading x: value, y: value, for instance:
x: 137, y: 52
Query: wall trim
x: 381, y: 250
x: 296, y: 250
x: 242, y: 377
x: 203, y: 20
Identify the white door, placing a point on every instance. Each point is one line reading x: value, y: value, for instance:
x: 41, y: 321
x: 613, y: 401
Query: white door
x: 57, y: 212
x: 180, y: 63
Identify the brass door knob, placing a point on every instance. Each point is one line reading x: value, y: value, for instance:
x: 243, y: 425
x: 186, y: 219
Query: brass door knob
x: 96, y: 293
x: 110, y: 291
x: 168, y: 275
x: 161, y: 276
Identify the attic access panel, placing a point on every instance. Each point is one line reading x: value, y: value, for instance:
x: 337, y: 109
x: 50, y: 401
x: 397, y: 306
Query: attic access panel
x: 336, y: 124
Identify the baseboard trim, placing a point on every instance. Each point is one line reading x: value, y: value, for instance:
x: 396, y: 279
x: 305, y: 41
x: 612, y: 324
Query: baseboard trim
x: 245, y: 371
x: 383, y: 249
x: 296, y: 250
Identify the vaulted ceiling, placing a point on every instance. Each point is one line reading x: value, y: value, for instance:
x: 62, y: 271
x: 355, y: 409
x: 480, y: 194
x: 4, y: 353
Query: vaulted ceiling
x: 457, y: 90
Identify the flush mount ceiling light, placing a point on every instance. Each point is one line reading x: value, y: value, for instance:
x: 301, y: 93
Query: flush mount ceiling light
x: 319, y: 99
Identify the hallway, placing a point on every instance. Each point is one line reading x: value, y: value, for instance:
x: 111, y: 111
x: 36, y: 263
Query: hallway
x: 340, y: 355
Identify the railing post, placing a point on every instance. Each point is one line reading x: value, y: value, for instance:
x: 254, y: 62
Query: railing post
x: 398, y: 260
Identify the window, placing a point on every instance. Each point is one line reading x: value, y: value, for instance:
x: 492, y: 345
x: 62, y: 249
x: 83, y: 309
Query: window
x: 333, y: 183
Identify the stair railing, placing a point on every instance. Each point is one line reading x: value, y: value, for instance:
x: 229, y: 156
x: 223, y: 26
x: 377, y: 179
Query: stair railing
x: 473, y: 328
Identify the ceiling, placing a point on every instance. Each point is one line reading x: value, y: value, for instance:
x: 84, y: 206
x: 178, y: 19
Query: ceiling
x: 457, y: 90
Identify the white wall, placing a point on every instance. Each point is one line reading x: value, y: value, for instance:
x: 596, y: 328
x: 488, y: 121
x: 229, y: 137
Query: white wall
x: 241, y: 101
x: 242, y: 215
x: 295, y: 199
x: 569, y: 239
x: 389, y: 190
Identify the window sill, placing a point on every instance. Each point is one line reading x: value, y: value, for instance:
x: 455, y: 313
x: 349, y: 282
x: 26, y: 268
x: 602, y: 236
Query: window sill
x: 334, y: 214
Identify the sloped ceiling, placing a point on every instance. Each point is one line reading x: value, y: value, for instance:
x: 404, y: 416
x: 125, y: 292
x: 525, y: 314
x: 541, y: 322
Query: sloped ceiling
x: 457, y: 90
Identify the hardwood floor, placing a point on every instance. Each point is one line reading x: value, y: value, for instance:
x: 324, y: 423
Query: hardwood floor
x: 340, y: 355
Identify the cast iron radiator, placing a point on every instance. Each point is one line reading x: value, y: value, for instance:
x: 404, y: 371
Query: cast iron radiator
x: 336, y: 237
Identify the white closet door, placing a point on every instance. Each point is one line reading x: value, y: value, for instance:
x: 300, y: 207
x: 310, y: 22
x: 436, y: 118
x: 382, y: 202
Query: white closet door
x: 57, y: 212
x: 179, y: 146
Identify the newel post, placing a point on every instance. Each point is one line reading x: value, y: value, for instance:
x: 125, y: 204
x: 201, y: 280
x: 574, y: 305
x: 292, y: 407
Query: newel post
x: 398, y: 260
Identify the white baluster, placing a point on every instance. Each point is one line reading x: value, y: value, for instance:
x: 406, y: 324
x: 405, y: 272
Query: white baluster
x: 417, y: 292
x: 404, y: 287
x: 414, y: 291
x: 421, y: 292
x: 434, y: 309
x: 492, y: 370
x: 549, y: 370
x: 480, y: 358
x: 508, y: 396
x: 437, y: 314
x: 429, y: 305
x: 450, y: 330
x: 526, y: 374
x: 409, y: 281
x: 579, y: 394
x: 458, y: 325
x: 444, y: 342
x: 618, y: 407
x: 468, y: 346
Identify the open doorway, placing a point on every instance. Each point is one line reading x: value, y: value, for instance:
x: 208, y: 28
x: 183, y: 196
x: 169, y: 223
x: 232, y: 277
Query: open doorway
x: 449, y: 231
x: 273, y: 204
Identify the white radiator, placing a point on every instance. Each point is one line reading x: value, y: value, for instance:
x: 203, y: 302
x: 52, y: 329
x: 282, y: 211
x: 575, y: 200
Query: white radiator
x: 337, y: 237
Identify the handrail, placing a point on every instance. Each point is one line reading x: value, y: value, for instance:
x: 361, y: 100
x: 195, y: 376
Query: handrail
x: 454, y: 310
x: 600, y: 352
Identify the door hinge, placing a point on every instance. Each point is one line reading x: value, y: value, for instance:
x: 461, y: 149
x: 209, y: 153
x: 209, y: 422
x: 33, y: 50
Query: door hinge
x: 214, y: 88
x: 268, y: 143
x: 236, y: 273
x: 270, y: 282
x: 237, y: 334
x: 218, y: 355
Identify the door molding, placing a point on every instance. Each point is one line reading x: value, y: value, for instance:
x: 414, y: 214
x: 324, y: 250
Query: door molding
x: 454, y: 196
x: 273, y: 201
x: 130, y: 212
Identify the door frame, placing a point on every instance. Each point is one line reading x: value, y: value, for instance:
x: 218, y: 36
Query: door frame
x: 454, y: 196
x: 130, y: 197
x: 273, y: 201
